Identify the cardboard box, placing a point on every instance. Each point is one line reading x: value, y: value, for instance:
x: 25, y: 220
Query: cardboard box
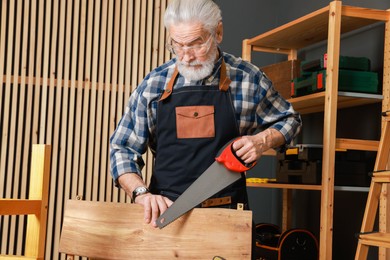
x: 281, y: 74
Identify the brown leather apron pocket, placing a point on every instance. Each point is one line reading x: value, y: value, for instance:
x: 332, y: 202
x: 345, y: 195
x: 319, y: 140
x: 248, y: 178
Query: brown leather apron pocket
x: 195, y: 122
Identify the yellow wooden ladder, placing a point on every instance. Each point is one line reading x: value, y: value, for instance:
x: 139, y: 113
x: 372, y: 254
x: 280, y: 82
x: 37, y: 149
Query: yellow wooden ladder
x: 381, y: 175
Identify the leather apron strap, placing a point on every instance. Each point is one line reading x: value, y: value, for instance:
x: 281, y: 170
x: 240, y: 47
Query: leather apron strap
x: 224, y: 81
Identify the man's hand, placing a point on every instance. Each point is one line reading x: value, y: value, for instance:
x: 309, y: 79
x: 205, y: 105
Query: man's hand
x: 250, y: 147
x: 154, y: 206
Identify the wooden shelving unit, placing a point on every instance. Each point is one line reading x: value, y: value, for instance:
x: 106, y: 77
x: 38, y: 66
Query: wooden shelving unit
x: 326, y: 24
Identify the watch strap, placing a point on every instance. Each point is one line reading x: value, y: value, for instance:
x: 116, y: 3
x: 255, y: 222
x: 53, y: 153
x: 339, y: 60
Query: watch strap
x: 139, y: 191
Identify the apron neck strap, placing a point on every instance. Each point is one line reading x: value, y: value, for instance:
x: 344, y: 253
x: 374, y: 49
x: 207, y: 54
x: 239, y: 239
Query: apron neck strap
x: 224, y: 81
x: 168, y: 89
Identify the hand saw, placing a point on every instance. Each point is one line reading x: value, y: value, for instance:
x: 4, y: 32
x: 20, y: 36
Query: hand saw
x: 224, y: 171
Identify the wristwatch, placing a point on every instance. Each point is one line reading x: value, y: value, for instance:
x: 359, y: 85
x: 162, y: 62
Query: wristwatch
x: 138, y: 191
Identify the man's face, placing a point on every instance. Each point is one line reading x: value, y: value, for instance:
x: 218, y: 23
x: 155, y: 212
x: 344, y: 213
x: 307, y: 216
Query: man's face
x: 195, y: 48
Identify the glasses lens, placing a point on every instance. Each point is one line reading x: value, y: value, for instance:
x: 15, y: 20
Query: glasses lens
x: 198, y: 50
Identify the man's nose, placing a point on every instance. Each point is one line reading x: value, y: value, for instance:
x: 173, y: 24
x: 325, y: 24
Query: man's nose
x: 188, y: 56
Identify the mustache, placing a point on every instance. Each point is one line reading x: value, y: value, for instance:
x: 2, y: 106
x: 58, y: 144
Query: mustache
x: 192, y: 63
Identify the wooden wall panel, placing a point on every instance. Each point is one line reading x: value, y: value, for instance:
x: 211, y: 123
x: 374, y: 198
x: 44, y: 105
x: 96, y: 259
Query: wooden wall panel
x: 67, y: 69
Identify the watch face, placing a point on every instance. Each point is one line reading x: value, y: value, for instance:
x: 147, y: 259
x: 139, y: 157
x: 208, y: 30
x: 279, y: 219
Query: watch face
x: 140, y: 190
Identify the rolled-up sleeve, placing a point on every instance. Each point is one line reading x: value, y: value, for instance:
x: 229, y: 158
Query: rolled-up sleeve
x: 275, y: 112
x: 129, y: 141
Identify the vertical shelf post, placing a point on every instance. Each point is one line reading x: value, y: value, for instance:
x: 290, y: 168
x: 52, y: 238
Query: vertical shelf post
x: 329, y: 135
x: 384, y: 205
x: 246, y: 50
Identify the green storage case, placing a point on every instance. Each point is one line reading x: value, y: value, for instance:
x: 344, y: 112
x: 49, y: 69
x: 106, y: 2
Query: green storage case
x: 345, y: 63
x: 349, y: 80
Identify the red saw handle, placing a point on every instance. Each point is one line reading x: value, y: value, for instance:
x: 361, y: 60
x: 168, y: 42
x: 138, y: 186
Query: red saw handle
x: 231, y: 161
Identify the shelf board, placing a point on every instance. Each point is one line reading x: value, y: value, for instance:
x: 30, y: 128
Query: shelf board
x: 274, y: 185
x: 313, y: 103
x: 313, y: 28
x: 285, y: 186
x: 356, y: 144
x: 375, y: 239
x: 352, y: 188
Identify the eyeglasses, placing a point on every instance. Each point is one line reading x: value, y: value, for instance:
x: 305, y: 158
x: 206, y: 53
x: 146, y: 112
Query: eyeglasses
x: 197, y: 49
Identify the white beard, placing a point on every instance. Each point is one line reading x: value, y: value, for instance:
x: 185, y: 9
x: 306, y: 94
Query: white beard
x: 191, y: 71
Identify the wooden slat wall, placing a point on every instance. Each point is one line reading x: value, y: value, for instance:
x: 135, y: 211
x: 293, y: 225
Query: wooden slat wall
x: 67, y: 69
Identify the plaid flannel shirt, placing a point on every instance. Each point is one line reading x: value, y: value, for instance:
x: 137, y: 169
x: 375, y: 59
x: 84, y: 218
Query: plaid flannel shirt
x: 257, y: 105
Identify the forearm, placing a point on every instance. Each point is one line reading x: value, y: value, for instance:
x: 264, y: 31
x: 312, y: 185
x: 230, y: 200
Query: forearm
x: 269, y: 138
x: 130, y: 181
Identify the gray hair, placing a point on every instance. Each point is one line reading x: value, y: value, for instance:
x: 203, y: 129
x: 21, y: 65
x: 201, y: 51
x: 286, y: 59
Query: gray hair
x: 204, y: 11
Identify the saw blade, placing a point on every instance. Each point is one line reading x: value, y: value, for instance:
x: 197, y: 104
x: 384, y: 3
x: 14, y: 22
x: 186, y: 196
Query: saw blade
x: 213, y: 180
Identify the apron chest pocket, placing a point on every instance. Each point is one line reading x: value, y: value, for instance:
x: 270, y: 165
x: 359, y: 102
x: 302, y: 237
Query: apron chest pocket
x: 195, y: 122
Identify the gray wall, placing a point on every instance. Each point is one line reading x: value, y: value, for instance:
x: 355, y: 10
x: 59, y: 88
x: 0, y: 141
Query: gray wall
x: 248, y: 18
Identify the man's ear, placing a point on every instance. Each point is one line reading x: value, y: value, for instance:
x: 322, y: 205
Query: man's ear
x: 219, y: 32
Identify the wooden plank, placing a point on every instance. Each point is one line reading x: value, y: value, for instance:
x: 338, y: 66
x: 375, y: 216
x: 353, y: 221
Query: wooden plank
x: 53, y: 116
x: 21, y: 121
x: 168, y: 55
x: 46, y: 50
x: 285, y: 186
x: 141, y: 69
x: 375, y: 239
x: 382, y: 163
x: 6, y: 118
x: 19, y: 206
x: 71, y: 151
x: 12, y: 162
x: 2, y: 60
x: 92, y: 113
x: 142, y: 42
x: 39, y: 190
x: 136, y: 40
x: 98, y: 133
x: 128, y: 66
x: 81, y: 91
x: 384, y: 222
x: 357, y: 144
x: 164, y: 54
x: 88, y: 95
x: 287, y: 205
x: 156, y: 33
x: 246, y: 50
x: 99, y: 229
x: 329, y: 136
x: 148, y: 59
x: 106, y: 105
x: 129, y: 52
x: 293, y: 33
x: 114, y: 94
x: 371, y: 14
x: 312, y: 28
x: 58, y: 167
x: 38, y: 70
x: 148, y: 49
x: 122, y: 60
x: 386, y: 69
x: 17, y: 258
x: 121, y: 75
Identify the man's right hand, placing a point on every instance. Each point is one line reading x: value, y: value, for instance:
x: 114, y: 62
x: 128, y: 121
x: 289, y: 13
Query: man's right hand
x: 154, y: 206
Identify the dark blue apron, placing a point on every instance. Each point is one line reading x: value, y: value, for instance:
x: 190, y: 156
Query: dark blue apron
x: 193, y: 124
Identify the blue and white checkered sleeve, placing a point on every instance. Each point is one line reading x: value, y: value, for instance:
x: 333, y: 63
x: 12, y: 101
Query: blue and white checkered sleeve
x: 129, y: 141
x: 278, y: 113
